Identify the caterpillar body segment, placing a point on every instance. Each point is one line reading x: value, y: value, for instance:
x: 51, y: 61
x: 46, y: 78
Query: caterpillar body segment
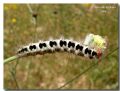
x: 54, y: 45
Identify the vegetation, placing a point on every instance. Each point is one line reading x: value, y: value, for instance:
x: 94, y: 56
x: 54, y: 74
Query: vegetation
x: 51, y: 71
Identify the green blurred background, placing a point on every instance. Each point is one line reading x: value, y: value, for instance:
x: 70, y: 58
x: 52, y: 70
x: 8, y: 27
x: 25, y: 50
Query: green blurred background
x: 50, y: 71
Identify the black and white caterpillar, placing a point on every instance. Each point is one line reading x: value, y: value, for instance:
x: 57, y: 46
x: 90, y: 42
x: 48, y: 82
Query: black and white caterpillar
x: 58, y: 45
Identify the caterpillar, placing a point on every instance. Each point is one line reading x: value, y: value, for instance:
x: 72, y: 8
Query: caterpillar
x: 54, y: 45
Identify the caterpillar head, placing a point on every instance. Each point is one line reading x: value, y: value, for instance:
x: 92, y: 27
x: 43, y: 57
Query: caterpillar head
x: 96, y: 41
x: 99, y: 42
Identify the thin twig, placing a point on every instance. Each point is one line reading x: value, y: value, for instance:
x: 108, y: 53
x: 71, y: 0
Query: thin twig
x: 28, y: 72
x: 77, y: 76
x: 33, y: 14
x: 14, y: 77
x: 11, y: 59
x: 34, y: 20
x: 13, y: 68
x: 29, y: 7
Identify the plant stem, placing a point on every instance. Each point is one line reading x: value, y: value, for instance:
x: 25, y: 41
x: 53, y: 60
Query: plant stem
x: 11, y: 59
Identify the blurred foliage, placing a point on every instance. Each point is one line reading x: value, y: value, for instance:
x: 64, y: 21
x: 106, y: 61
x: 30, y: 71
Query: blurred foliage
x: 50, y: 71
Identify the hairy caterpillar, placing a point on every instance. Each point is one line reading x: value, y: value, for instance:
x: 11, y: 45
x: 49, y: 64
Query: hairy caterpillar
x: 59, y: 45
